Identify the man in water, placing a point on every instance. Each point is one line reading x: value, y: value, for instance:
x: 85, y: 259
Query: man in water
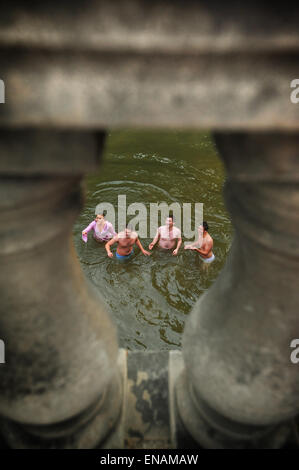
x: 125, y: 242
x: 168, y: 236
x: 204, y: 244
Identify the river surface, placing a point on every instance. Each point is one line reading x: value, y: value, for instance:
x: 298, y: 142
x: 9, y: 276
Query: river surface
x: 151, y: 297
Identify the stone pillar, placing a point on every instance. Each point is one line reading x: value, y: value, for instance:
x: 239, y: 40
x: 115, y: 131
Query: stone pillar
x: 239, y: 388
x: 60, y: 386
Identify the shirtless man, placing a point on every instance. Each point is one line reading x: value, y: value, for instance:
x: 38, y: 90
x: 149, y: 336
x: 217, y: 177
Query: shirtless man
x: 204, y: 244
x: 125, y: 241
x: 168, y: 236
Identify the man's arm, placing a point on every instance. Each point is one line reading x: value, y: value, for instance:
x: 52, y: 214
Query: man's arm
x: 157, y: 236
x: 109, y: 244
x: 175, y: 252
x: 208, y: 247
x: 138, y: 243
x: 193, y: 245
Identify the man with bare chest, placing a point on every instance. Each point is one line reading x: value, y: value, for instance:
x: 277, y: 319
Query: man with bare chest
x: 204, y: 244
x: 168, y: 236
x: 125, y: 242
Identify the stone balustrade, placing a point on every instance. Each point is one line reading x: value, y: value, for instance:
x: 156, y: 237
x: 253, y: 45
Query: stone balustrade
x: 69, y: 74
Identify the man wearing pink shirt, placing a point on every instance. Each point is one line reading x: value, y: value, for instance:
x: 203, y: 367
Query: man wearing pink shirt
x: 168, y: 236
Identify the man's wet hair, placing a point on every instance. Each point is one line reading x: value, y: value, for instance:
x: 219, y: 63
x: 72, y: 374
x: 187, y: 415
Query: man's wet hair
x: 170, y: 216
x: 205, y: 225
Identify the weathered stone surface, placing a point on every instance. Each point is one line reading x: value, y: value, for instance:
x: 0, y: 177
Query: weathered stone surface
x: 173, y: 64
x: 236, y: 343
x: 166, y: 26
x: 47, y: 89
x: 60, y: 385
x: 47, y: 152
x: 147, y: 406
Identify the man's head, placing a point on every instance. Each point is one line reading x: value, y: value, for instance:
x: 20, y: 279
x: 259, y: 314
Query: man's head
x: 128, y: 230
x: 169, y: 221
x: 204, y: 227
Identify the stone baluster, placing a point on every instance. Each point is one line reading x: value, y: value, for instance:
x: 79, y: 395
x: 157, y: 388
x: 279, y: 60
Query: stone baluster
x: 60, y: 385
x: 238, y: 387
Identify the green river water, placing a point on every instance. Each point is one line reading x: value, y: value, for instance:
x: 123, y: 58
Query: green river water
x: 151, y: 297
